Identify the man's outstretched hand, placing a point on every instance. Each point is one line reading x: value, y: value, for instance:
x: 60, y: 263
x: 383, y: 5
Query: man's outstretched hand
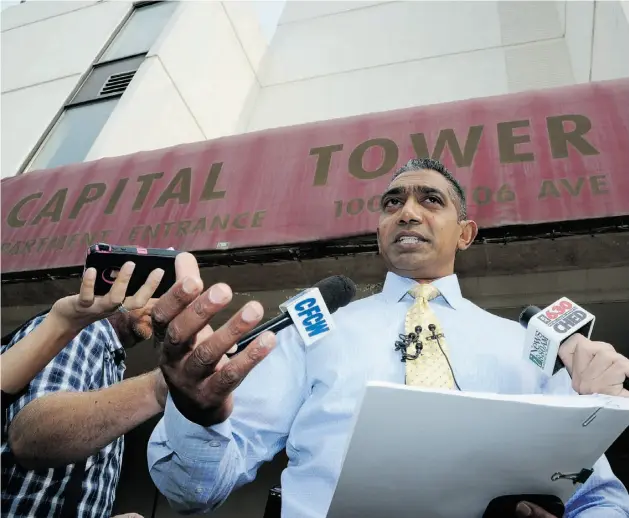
x: 191, y: 355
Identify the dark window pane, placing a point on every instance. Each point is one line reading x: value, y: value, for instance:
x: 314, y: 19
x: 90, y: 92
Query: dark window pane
x: 73, y: 136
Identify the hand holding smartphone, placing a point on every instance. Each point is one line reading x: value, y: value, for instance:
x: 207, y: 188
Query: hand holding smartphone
x: 107, y: 260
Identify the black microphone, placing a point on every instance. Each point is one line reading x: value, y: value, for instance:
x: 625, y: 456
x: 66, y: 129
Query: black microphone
x: 337, y: 291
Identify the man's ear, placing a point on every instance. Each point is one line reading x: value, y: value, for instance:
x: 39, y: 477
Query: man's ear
x: 469, y: 231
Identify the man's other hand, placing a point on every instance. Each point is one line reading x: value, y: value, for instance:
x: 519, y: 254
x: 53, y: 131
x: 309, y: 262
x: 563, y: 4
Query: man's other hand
x: 192, y: 356
x: 532, y: 511
x: 595, y: 367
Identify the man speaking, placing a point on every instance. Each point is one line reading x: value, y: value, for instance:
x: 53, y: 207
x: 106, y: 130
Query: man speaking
x: 210, y: 442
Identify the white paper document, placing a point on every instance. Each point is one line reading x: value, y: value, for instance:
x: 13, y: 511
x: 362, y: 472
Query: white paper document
x: 418, y: 453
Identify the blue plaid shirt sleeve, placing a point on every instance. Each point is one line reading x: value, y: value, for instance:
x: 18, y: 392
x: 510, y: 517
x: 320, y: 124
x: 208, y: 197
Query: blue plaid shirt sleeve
x: 71, y: 370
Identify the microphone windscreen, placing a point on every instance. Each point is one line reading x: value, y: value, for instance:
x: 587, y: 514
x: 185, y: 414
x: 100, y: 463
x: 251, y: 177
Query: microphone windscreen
x: 337, y: 291
x: 528, y: 314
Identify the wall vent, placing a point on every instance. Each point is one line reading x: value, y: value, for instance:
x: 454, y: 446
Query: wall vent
x: 116, y: 84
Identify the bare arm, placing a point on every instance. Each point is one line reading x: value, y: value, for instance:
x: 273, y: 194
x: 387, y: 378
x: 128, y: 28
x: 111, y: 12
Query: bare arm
x: 64, y: 427
x: 21, y: 363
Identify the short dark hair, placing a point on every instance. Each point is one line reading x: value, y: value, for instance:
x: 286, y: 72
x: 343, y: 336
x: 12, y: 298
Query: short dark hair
x: 417, y: 164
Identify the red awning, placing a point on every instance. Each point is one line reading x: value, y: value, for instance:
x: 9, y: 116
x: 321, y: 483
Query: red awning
x: 535, y: 157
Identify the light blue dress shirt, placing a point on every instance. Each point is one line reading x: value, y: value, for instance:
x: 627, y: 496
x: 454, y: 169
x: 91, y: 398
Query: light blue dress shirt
x: 303, y: 399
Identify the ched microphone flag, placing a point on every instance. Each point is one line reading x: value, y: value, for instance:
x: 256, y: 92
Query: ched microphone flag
x: 550, y: 327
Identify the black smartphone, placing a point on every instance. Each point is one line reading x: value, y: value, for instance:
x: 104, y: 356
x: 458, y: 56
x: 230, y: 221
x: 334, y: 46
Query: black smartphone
x: 108, y: 259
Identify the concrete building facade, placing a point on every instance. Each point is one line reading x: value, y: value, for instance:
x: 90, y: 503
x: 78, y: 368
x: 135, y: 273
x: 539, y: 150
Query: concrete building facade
x: 204, y: 70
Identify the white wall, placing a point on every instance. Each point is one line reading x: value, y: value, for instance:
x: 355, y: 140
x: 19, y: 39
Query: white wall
x: 46, y: 49
x: 34, y: 11
x: 222, y: 68
x: 625, y: 8
x: 611, y: 41
x: 597, y: 37
x: 338, y: 59
x: 194, y: 83
x: 268, y: 14
x: 150, y: 115
x: 375, y: 36
x: 298, y: 10
x: 25, y: 115
x: 5, y: 4
x: 384, y: 88
x: 579, y: 23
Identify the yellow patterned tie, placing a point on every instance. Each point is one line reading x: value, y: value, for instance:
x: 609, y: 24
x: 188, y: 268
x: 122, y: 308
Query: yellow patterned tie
x: 431, y: 368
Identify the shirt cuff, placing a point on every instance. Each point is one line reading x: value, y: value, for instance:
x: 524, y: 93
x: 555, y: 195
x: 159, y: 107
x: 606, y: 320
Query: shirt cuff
x: 601, y: 512
x: 193, y: 441
x: 560, y: 384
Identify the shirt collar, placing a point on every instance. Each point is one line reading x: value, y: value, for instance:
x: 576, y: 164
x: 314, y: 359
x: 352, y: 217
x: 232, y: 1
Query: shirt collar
x: 395, y: 287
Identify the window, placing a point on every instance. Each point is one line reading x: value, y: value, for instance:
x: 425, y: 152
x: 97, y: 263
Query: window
x: 86, y: 113
x: 141, y: 31
x: 73, y: 135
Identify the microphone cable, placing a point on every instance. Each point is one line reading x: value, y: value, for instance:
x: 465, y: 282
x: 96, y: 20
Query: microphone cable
x: 405, y: 340
x: 436, y: 337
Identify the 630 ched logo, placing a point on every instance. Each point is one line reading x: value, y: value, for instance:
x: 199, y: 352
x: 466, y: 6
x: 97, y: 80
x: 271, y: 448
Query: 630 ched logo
x: 552, y: 313
x: 563, y: 316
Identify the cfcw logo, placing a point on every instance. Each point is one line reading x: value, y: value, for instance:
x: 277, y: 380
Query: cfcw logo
x: 310, y: 315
